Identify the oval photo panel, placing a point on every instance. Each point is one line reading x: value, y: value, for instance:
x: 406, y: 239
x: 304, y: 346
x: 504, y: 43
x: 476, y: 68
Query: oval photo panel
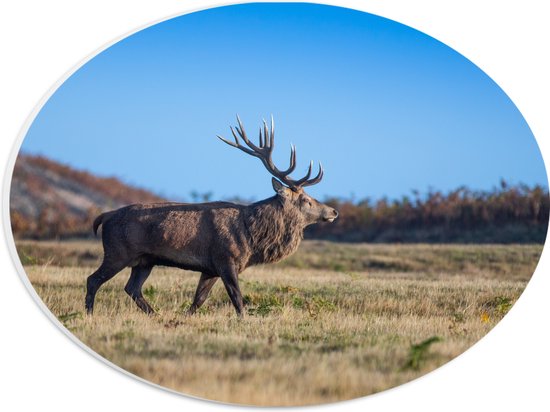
x: 165, y: 210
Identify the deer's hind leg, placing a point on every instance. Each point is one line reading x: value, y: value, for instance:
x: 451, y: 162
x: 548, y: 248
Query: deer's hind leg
x: 203, y: 290
x: 133, y: 288
x: 106, y: 271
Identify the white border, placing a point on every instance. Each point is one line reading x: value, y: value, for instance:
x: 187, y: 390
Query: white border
x: 507, y: 370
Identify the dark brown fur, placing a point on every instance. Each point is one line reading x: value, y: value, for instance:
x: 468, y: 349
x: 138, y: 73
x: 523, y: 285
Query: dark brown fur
x: 275, y: 230
x: 218, y: 239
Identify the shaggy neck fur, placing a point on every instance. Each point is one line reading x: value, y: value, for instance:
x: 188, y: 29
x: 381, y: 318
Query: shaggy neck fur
x: 276, y: 229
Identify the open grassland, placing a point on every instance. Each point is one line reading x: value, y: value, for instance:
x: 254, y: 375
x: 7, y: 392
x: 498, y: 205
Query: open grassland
x: 333, y: 322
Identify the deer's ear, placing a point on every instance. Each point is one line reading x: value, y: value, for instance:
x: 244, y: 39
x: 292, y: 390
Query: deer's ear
x: 279, y: 187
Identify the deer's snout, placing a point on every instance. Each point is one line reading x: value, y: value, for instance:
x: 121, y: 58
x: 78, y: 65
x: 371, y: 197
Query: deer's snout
x: 331, y: 215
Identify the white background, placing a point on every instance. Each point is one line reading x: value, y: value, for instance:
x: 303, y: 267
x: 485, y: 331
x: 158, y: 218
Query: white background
x: 43, y: 41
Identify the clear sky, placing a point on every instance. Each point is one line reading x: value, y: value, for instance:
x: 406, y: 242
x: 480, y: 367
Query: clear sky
x: 385, y: 108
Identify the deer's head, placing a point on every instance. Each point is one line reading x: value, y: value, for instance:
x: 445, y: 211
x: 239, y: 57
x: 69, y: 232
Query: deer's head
x: 289, y: 191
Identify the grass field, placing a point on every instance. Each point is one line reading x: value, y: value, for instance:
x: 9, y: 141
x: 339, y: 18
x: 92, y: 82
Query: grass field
x: 332, y: 322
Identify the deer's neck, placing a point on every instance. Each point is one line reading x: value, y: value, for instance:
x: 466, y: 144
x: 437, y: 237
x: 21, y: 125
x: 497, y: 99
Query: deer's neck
x: 275, y: 230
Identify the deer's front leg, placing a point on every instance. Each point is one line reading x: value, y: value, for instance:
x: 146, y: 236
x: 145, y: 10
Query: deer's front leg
x: 231, y: 282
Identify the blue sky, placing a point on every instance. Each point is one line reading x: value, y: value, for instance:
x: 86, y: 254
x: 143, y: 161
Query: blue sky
x: 385, y: 108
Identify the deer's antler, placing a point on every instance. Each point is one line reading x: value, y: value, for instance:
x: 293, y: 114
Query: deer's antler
x: 264, y: 151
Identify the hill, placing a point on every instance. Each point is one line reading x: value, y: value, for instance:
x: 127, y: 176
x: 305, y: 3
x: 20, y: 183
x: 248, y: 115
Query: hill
x: 52, y: 200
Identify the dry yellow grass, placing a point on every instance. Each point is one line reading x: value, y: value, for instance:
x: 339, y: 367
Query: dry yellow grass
x: 310, y: 336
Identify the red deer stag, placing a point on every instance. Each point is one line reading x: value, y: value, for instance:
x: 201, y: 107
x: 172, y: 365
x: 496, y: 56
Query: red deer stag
x: 218, y: 239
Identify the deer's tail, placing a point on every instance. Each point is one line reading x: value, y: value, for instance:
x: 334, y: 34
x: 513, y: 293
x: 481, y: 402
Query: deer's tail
x: 102, y: 218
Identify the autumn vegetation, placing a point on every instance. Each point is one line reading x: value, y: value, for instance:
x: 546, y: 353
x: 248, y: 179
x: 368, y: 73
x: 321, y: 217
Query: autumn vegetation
x: 65, y: 201
x: 506, y: 214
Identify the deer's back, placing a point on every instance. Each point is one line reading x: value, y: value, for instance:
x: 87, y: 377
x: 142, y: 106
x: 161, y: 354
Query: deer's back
x: 193, y: 236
